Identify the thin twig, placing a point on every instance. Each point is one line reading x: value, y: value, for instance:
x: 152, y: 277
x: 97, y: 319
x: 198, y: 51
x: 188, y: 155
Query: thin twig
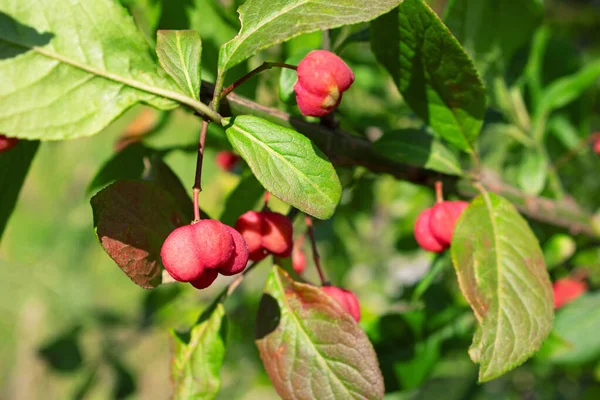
x: 313, y: 243
x: 200, y: 160
x: 256, y: 71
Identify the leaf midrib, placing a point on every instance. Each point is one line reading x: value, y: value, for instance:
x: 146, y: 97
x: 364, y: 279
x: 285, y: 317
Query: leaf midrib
x: 178, y: 97
x: 296, y: 320
x: 488, y: 205
x: 183, y: 63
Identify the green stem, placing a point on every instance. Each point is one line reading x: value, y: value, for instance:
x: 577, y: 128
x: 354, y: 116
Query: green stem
x: 263, y: 67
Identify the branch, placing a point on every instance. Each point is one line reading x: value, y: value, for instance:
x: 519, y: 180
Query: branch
x: 345, y: 149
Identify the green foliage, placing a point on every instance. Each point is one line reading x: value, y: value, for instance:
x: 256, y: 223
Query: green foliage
x: 417, y: 148
x: 71, y: 68
x: 305, y: 337
x: 502, y: 275
x: 95, y: 66
x: 268, y: 22
x: 198, y: 356
x: 433, y: 73
x: 179, y: 53
x: 287, y: 164
x: 491, y: 32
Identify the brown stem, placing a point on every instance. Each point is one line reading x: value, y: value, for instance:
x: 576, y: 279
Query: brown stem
x: 256, y: 71
x: 313, y: 244
x: 572, y: 153
x: 199, y: 161
x: 267, y: 197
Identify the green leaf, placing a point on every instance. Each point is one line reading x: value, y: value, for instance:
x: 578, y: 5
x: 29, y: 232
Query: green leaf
x: 179, y: 53
x: 502, y: 275
x: 312, y: 348
x: 533, y: 172
x: 132, y: 220
x: 573, y: 326
x: 418, y: 148
x: 287, y: 164
x: 14, y: 165
x: 491, y: 31
x: 268, y: 22
x: 565, y: 90
x: 432, y: 71
x: 198, y: 357
x: 70, y: 68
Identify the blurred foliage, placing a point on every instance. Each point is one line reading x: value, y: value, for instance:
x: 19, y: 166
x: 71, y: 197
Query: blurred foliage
x: 72, y: 325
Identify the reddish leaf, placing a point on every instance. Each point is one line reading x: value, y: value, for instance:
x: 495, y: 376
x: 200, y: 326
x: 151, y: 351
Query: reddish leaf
x: 132, y: 219
x: 311, y: 347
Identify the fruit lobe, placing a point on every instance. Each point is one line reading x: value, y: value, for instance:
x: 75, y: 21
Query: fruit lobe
x: 346, y: 299
x: 444, y: 216
x: 266, y: 232
x: 322, y: 79
x: 566, y: 290
x: 7, y: 143
x: 423, y: 234
x: 206, y: 278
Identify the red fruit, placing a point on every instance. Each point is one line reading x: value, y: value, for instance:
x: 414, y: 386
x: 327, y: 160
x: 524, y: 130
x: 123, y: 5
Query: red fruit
x: 345, y: 298
x: 596, y: 145
x: 227, y: 160
x: 239, y: 259
x: 423, y: 234
x: 298, y: 256
x: 266, y: 231
x: 566, y: 290
x: 322, y: 78
x: 7, y: 143
x: 206, y: 278
x: 208, y: 244
x: 277, y: 234
x: 250, y: 226
x: 444, y: 216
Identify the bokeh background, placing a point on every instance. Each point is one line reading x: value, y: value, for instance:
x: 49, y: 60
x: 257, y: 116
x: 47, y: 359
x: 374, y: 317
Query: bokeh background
x: 72, y: 325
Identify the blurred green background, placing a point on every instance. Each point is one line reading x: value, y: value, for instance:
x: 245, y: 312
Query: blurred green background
x: 73, y: 325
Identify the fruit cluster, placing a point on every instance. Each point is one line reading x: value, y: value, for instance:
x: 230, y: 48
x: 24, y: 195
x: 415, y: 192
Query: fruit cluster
x: 435, y: 226
x: 322, y: 79
x: 197, y: 253
x: 266, y: 232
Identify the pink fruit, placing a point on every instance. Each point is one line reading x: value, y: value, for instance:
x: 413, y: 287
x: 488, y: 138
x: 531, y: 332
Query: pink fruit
x: 237, y: 262
x: 277, y: 234
x: 596, y: 145
x: 298, y: 256
x: 346, y: 299
x: 322, y: 79
x: 227, y: 160
x: 7, y: 143
x: 206, y: 278
x: 444, y: 216
x: 423, y: 234
x: 266, y: 232
x: 566, y: 290
x: 190, y: 250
